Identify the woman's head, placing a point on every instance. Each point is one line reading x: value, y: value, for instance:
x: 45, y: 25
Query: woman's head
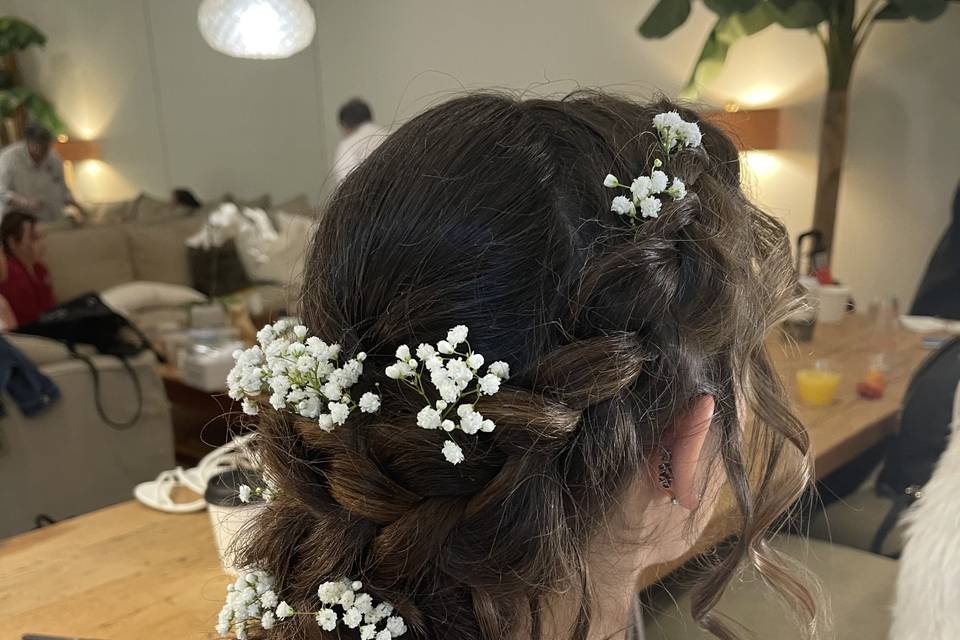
x: 622, y: 341
x: 21, y: 237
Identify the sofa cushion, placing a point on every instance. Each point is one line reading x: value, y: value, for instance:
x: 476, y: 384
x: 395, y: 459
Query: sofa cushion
x: 299, y: 205
x: 148, y: 208
x: 157, y: 249
x: 87, y: 259
x: 110, y: 212
x: 39, y: 351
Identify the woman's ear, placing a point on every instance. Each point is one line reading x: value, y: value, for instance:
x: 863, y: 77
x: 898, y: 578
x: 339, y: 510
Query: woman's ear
x: 685, y: 442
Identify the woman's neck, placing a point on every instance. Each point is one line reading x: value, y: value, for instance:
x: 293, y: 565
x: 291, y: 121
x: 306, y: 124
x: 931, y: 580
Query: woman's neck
x: 615, y: 559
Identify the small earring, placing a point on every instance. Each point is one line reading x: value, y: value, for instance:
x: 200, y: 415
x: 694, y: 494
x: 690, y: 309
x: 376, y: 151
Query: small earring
x: 665, y: 475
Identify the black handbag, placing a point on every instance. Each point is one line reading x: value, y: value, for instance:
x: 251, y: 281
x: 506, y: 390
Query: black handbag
x: 87, y: 320
x: 217, y: 271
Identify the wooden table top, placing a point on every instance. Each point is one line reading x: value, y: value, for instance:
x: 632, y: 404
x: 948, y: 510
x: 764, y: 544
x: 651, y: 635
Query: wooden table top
x: 129, y: 572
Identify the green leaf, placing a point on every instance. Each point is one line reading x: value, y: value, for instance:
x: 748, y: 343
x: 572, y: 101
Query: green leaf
x: 727, y: 7
x: 739, y: 25
x: 35, y: 105
x: 924, y: 10
x: 664, y: 18
x: 892, y: 12
x: 796, y: 14
x: 15, y: 35
x: 708, y: 65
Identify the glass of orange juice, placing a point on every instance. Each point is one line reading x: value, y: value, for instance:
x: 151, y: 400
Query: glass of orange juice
x: 818, y: 385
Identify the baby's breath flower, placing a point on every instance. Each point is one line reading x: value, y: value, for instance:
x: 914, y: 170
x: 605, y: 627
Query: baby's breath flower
x: 500, y: 369
x: 489, y: 384
x: 284, y: 610
x: 457, y: 335
x: 677, y: 190
x: 611, y: 181
x: 396, y: 626
x: 650, y: 207
x: 623, y: 206
x: 641, y: 187
x: 327, y: 619
x: 368, y: 632
x: 369, y: 402
x: 267, y: 620
x: 658, y: 182
x: 452, y: 452
x: 445, y: 347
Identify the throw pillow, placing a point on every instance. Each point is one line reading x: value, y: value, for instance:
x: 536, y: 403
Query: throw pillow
x: 217, y: 270
x: 128, y: 298
x: 157, y: 249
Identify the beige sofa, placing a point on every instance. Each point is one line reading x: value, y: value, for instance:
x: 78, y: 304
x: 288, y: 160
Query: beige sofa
x: 67, y: 460
x: 150, y: 248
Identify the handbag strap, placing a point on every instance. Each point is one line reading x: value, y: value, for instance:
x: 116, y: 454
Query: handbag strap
x: 118, y: 425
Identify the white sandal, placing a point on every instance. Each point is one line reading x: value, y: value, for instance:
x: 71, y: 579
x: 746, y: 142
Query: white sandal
x: 232, y: 455
x: 158, y: 494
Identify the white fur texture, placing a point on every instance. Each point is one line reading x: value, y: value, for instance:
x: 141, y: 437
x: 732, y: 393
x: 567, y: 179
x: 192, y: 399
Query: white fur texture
x: 928, y: 586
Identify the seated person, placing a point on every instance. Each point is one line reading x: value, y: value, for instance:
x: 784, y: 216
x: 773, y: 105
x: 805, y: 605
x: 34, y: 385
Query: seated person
x: 8, y: 321
x: 27, y: 285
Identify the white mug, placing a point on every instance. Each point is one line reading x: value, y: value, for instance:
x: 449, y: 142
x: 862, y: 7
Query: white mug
x: 833, y: 302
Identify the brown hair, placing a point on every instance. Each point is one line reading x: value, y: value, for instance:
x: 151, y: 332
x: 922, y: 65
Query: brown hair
x: 490, y: 211
x: 13, y: 226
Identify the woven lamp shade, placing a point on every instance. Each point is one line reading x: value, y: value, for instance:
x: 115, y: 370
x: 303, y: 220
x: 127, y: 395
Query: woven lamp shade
x: 258, y: 29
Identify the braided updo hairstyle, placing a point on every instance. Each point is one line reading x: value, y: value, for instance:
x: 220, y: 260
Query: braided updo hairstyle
x: 490, y: 211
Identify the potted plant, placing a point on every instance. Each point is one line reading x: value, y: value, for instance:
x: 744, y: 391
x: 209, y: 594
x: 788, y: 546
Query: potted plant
x: 18, y: 102
x: 842, y: 30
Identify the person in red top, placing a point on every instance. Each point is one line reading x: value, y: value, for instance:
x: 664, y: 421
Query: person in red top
x: 27, y: 285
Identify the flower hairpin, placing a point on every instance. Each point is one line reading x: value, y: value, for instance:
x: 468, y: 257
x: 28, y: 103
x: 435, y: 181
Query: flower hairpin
x: 674, y: 132
x: 454, y: 370
x: 300, y: 374
x: 304, y: 375
x: 252, y: 601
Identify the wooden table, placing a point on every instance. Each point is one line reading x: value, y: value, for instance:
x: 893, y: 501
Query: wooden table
x: 128, y: 572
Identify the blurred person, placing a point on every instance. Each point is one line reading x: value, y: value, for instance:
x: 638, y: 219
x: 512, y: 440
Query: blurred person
x: 183, y: 197
x: 360, y: 137
x: 8, y: 321
x: 939, y: 292
x: 31, y: 177
x: 27, y: 285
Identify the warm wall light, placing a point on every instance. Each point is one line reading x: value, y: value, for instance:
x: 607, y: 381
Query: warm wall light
x: 759, y: 95
x: 757, y: 129
x: 73, y: 151
x: 761, y: 163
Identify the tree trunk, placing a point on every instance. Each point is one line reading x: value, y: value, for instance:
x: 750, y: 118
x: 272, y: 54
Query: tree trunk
x: 833, y: 143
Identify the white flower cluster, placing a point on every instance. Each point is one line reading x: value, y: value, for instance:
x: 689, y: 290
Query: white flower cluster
x: 300, y: 374
x: 673, y: 130
x: 455, y: 374
x: 268, y: 493
x: 357, y: 611
x: 251, y: 600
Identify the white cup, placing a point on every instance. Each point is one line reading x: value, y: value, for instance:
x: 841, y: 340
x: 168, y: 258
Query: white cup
x: 228, y: 524
x: 832, y: 302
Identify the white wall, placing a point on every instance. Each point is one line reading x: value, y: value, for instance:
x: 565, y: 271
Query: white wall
x: 170, y: 111
x: 167, y: 109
